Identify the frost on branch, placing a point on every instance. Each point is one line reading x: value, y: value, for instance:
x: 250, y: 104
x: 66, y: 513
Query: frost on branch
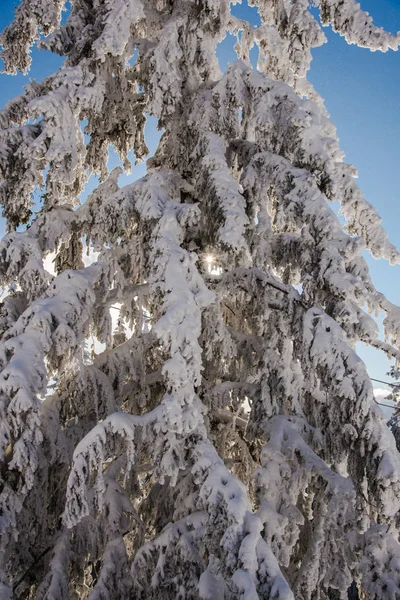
x: 19, y: 36
x: 356, y: 25
x: 185, y: 416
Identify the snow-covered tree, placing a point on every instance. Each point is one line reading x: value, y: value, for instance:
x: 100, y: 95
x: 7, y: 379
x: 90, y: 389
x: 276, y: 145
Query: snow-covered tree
x: 223, y: 442
x: 394, y: 396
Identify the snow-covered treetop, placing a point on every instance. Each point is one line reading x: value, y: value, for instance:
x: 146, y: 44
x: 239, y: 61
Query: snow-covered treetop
x: 221, y: 440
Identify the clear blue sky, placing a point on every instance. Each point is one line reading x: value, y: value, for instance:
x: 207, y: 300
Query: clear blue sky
x: 362, y: 94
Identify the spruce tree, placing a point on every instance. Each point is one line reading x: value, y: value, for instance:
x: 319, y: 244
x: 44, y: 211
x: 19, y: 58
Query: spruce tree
x: 223, y: 442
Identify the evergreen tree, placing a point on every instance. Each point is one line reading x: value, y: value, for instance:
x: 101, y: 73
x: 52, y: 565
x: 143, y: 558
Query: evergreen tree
x: 224, y: 444
x: 394, y: 396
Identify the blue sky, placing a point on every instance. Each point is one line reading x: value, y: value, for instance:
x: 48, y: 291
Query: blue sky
x: 362, y: 92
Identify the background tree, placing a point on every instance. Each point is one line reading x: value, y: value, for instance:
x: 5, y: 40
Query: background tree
x: 225, y: 443
x: 394, y: 421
